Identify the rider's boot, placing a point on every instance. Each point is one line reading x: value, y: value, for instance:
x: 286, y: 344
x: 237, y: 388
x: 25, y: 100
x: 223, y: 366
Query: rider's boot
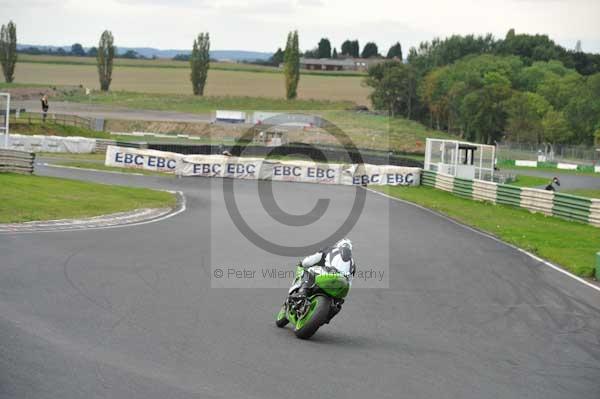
x: 304, y: 289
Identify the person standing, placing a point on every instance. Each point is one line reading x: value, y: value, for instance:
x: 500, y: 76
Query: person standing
x: 45, y: 107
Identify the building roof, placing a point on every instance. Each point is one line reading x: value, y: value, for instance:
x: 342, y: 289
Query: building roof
x: 340, y: 61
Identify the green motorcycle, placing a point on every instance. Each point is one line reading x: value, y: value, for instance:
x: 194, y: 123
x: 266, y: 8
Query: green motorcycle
x: 324, y: 300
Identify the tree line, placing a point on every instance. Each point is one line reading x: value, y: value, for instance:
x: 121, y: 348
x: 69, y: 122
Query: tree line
x: 77, y: 50
x: 349, y: 48
x: 106, y: 51
x: 523, y: 88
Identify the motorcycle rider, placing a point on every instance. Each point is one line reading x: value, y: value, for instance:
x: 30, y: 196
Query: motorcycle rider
x: 553, y: 182
x: 338, y: 257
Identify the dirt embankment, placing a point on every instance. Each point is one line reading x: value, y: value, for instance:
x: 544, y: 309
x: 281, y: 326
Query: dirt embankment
x: 213, y: 130
x: 35, y: 93
x: 193, y: 129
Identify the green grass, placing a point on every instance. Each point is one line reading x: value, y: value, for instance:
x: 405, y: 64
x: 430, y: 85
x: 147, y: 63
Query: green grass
x: 102, y: 167
x: 367, y: 130
x: 530, y: 181
x: 199, y: 104
x: 26, y: 198
x: 584, y: 192
x: 13, y: 85
x: 53, y: 129
x: 72, y: 156
x: 534, y: 232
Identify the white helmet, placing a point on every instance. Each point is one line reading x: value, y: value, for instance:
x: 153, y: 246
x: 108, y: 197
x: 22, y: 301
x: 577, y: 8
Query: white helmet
x: 345, y: 247
x: 344, y: 242
x: 340, y: 257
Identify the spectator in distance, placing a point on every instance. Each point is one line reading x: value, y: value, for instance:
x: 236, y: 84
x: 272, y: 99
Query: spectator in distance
x: 45, y: 107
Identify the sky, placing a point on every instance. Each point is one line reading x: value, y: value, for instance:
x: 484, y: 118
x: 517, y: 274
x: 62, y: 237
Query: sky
x: 262, y: 25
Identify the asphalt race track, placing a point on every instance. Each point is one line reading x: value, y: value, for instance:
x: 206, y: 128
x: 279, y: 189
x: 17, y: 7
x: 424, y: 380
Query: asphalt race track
x: 109, y: 112
x: 130, y: 313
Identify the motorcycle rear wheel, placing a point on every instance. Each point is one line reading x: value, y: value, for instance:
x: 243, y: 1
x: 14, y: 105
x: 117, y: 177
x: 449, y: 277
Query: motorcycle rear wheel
x: 317, y: 316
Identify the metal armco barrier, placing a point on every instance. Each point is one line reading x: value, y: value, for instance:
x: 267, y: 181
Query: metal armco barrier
x: 16, y: 161
x: 595, y: 212
x: 463, y: 188
x: 538, y: 200
x: 101, y: 145
x: 444, y: 182
x: 484, y: 190
x: 508, y: 195
x: 570, y: 207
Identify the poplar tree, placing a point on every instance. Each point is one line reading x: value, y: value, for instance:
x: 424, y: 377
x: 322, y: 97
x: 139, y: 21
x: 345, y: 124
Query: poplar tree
x: 200, y: 63
x: 104, y: 59
x: 8, y: 50
x: 291, y: 68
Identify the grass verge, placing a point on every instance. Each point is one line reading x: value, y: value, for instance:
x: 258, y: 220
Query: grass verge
x: 530, y: 181
x: 54, y: 129
x: 534, y: 232
x: 25, y: 198
x: 584, y: 192
x: 70, y: 156
x: 102, y: 167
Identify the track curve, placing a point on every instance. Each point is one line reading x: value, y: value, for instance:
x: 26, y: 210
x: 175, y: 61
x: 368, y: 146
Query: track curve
x: 131, y: 313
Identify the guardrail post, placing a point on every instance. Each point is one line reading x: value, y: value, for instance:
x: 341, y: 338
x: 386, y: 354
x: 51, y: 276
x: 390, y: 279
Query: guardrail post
x: 598, y: 266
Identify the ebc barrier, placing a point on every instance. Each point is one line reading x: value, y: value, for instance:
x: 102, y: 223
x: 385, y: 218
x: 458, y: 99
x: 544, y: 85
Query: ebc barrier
x: 262, y: 169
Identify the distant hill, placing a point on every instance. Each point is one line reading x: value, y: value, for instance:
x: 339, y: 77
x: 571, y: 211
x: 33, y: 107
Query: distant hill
x: 149, y: 52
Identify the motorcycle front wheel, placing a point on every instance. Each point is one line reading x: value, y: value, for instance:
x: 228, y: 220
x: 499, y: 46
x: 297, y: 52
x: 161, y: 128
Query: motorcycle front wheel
x: 281, y: 319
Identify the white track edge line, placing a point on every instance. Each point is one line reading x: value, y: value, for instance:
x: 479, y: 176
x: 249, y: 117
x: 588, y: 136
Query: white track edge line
x: 535, y: 257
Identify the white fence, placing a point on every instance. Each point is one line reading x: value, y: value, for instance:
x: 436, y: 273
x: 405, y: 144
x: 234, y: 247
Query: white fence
x: 49, y: 143
x: 559, y: 153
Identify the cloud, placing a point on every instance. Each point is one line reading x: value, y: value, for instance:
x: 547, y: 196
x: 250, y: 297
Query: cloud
x: 167, y: 3
x: 25, y: 3
x: 256, y: 8
x: 310, y: 3
x: 263, y: 24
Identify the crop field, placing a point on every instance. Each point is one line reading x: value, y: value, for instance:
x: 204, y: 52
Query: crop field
x: 172, y: 77
x: 169, y: 63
